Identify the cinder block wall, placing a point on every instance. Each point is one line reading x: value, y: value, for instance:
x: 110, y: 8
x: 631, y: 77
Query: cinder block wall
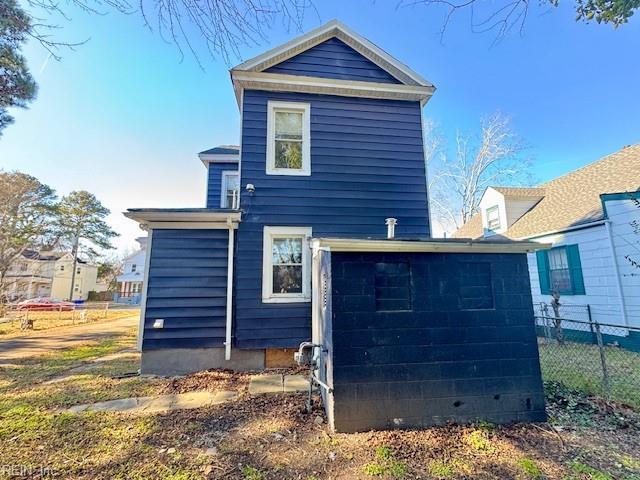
x: 422, y: 339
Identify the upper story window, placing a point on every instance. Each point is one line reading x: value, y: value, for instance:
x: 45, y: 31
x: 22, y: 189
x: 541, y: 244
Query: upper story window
x: 286, y: 266
x: 62, y: 268
x: 78, y: 271
x: 230, y: 189
x: 560, y: 269
x: 288, y: 138
x: 134, y: 267
x: 493, y: 218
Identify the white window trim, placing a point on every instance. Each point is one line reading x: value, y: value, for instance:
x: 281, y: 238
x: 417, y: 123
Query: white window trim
x: 267, y: 265
x: 223, y: 186
x: 305, y: 108
x: 496, y: 208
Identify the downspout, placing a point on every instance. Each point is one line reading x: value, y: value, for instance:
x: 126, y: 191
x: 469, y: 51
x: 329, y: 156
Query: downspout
x: 227, y: 342
x: 616, y: 269
x: 145, y: 288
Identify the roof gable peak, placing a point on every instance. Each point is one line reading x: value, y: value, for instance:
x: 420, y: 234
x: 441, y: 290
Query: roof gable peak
x: 334, y: 29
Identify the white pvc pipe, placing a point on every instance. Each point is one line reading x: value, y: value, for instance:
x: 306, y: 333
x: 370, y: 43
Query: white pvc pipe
x: 227, y: 342
x: 145, y: 288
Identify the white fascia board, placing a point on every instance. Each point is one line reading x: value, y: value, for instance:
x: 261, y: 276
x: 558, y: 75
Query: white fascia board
x: 335, y: 28
x: 582, y: 226
x: 207, y: 158
x: 189, y: 225
x: 390, y: 246
x: 328, y: 86
x: 187, y: 218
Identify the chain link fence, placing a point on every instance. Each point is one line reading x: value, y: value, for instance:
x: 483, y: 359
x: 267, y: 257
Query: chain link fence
x: 597, y: 358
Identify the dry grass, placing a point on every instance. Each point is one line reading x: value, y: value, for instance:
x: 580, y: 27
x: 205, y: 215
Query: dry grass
x: 270, y: 438
x: 10, y: 326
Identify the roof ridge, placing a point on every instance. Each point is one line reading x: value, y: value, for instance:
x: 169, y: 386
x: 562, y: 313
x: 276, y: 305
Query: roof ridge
x: 591, y: 164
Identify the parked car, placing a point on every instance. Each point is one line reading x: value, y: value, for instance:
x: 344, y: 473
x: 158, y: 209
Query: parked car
x: 41, y: 304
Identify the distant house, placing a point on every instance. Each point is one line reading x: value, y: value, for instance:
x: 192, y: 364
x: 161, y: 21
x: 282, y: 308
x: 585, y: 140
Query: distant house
x: 590, y: 217
x: 48, y: 274
x: 131, y: 280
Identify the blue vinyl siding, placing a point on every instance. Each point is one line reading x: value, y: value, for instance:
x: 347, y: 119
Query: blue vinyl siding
x: 214, y: 182
x: 187, y: 288
x: 367, y: 164
x: 333, y: 59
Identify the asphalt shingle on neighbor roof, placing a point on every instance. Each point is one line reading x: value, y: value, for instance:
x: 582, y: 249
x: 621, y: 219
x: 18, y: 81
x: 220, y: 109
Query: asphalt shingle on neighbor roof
x: 520, y: 192
x: 222, y: 150
x: 35, y: 255
x: 572, y: 199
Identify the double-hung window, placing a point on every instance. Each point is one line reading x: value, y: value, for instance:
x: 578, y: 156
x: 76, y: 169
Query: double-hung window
x: 230, y: 189
x: 559, y: 273
x: 286, y: 266
x: 288, y: 138
x: 493, y: 218
x: 560, y: 270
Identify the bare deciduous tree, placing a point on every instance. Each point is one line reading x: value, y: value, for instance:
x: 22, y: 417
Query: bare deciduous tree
x: 501, y: 16
x: 222, y: 27
x: 457, y: 181
x: 26, y: 210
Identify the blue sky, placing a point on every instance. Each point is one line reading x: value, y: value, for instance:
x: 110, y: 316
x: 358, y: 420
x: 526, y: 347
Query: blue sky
x: 123, y: 117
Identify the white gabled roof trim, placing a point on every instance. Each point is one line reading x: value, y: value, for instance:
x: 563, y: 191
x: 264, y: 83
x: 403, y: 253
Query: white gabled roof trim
x: 407, y: 246
x: 337, y: 29
x: 207, y: 158
x: 350, y: 88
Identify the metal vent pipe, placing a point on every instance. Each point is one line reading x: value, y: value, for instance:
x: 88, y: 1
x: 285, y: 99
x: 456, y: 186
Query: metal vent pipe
x: 391, y: 227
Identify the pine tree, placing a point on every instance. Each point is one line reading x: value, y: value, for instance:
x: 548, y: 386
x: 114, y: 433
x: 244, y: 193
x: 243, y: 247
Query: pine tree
x: 17, y: 86
x: 81, y: 217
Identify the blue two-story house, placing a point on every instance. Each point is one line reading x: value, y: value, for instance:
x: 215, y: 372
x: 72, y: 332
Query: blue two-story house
x: 331, y: 144
x: 331, y: 147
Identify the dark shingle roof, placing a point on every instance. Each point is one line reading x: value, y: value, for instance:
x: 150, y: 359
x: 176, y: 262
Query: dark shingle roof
x: 35, y: 255
x: 222, y: 150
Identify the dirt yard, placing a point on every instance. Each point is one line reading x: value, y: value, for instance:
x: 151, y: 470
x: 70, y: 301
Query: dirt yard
x: 269, y: 437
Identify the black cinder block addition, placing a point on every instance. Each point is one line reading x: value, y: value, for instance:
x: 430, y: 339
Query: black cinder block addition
x: 420, y: 339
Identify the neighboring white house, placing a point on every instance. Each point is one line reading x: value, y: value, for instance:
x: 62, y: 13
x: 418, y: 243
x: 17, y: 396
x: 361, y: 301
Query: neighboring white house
x: 48, y: 274
x: 591, y: 218
x: 132, y: 277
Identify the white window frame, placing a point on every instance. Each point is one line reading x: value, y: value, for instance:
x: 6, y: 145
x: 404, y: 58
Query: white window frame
x: 494, y: 208
x: 272, y: 108
x: 223, y: 187
x: 269, y: 234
